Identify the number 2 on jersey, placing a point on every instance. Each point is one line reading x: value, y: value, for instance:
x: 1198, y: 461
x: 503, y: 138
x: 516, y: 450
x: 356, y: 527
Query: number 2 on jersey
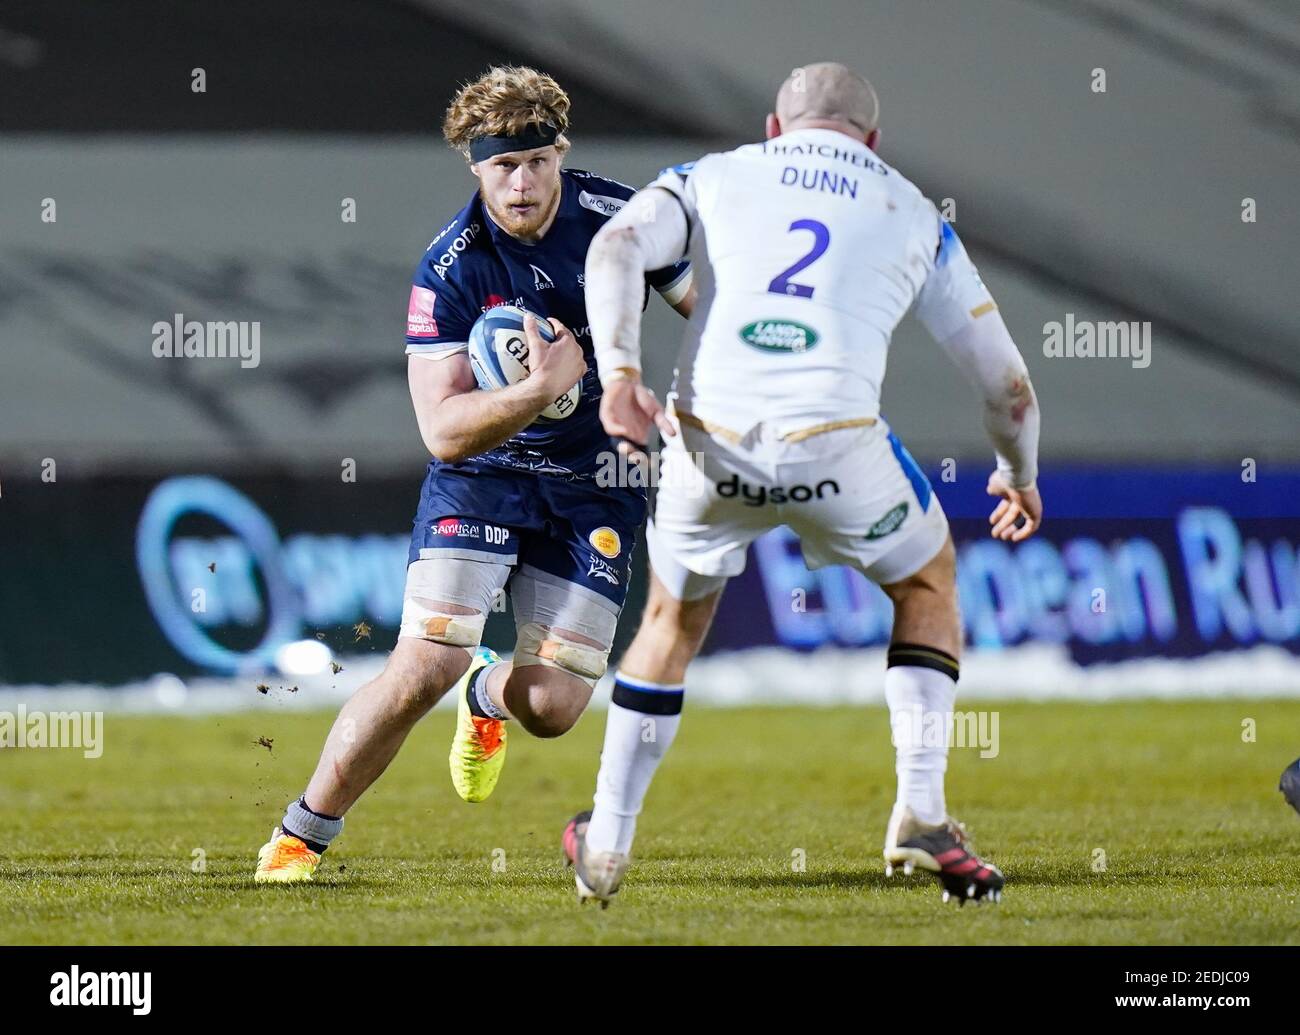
x: 781, y: 283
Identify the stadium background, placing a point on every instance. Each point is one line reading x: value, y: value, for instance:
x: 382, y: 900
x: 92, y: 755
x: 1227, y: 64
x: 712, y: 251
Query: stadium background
x: 129, y: 482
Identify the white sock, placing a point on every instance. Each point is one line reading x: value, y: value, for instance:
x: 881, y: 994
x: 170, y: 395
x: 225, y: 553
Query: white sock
x: 640, y: 727
x: 920, y: 716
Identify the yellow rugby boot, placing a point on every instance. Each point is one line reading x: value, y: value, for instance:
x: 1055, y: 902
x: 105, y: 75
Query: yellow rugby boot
x: 478, y: 751
x: 285, y: 860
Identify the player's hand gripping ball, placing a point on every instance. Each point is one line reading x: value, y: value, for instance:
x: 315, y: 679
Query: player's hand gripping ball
x: 498, y: 354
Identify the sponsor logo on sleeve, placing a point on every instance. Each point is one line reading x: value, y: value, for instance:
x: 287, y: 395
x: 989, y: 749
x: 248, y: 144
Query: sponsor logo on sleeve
x: 891, y: 522
x: 601, y: 203
x: 419, y: 313
x: 778, y: 336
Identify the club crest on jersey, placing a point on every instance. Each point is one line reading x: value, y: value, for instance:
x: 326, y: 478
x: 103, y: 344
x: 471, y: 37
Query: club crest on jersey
x: 606, y: 542
x: 891, y: 522
x: 541, y: 279
x: 779, y: 336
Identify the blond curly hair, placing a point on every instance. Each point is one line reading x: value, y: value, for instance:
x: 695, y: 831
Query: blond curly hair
x: 505, y: 100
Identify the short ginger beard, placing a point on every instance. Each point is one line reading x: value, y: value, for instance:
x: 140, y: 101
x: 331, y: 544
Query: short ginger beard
x: 522, y: 226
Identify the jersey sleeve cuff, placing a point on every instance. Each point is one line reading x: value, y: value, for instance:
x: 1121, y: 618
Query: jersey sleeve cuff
x: 435, y: 349
x: 674, y: 291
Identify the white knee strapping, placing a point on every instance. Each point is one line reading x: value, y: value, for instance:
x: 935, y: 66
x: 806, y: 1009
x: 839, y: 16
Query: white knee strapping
x: 433, y: 583
x: 427, y: 623
x: 538, y: 645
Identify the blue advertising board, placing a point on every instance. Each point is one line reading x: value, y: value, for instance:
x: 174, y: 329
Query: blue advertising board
x: 1130, y: 562
x: 198, y: 574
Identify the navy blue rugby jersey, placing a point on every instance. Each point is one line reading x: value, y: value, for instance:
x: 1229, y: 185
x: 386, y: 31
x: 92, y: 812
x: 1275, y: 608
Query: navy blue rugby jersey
x: 473, y: 265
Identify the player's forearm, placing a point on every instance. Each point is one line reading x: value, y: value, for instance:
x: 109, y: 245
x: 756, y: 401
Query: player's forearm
x: 986, y: 354
x: 1011, y: 418
x: 615, y: 286
x: 465, y: 425
x: 649, y: 233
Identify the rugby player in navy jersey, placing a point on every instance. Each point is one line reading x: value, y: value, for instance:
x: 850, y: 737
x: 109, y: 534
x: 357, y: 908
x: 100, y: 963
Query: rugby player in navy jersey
x: 510, y: 502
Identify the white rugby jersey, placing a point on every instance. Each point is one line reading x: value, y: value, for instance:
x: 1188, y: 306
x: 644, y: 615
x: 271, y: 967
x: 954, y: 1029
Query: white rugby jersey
x: 808, y: 250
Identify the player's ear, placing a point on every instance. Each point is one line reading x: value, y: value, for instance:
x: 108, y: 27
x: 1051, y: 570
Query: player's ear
x: 773, y: 126
x: 873, y: 139
x: 473, y: 167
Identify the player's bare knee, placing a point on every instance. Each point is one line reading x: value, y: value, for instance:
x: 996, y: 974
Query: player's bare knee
x: 545, y: 701
x: 420, y: 672
x: 554, y: 673
x: 432, y: 652
x: 439, y: 636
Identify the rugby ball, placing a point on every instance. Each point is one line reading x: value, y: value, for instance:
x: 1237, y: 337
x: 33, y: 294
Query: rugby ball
x: 498, y: 354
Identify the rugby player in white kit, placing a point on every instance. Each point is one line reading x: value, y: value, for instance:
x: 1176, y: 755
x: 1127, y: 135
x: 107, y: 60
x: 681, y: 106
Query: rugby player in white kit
x: 808, y: 250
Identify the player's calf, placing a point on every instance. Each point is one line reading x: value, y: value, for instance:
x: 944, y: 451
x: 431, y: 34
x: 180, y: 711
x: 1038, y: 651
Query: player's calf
x: 417, y: 676
x: 376, y: 720
x: 365, y: 737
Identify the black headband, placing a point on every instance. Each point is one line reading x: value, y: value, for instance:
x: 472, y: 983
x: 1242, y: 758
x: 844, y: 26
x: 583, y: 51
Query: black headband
x: 533, y: 136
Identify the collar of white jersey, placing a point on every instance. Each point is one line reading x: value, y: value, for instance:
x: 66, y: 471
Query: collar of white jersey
x: 820, y: 133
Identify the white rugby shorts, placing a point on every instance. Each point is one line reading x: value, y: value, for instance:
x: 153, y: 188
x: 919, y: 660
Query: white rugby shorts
x: 853, y: 496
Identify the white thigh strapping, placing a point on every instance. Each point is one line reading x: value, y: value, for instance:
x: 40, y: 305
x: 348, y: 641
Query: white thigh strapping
x: 446, y: 580
x: 545, y: 599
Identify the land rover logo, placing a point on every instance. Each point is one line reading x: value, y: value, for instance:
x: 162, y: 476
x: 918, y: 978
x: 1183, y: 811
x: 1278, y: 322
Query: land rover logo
x: 889, y: 523
x: 778, y: 336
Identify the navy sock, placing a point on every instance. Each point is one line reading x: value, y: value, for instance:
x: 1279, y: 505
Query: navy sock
x: 471, y: 696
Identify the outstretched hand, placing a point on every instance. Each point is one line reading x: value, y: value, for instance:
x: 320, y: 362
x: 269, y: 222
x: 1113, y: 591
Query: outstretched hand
x: 628, y: 409
x: 1016, y: 503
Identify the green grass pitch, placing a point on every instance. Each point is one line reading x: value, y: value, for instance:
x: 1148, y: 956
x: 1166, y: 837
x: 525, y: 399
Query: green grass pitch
x: 155, y: 841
